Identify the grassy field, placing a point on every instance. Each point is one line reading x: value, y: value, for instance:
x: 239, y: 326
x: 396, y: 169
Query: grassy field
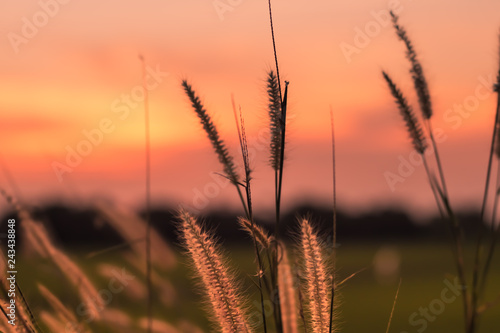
x: 365, y: 301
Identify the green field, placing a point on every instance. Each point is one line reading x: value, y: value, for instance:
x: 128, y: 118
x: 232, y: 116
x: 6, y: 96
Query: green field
x: 365, y: 302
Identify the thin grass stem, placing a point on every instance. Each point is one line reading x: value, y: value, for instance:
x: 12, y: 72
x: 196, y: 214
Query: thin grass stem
x: 457, y: 239
x: 393, y: 308
x: 479, y: 245
x: 437, y: 156
x: 148, y: 198
x: 240, y: 126
x: 334, y: 243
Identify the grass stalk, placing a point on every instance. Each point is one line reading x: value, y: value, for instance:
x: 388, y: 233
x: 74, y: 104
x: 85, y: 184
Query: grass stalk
x: 420, y: 145
x: 278, y: 174
x: 334, y: 232
x: 494, y: 232
x: 274, y: 46
x: 495, y: 235
x: 217, y: 143
x: 428, y: 124
x: 148, y: 198
x: 278, y: 200
x: 240, y: 126
x: 478, y: 287
x: 393, y: 307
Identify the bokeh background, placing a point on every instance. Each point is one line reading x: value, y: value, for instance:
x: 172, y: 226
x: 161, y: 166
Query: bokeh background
x: 63, y: 77
x: 72, y: 131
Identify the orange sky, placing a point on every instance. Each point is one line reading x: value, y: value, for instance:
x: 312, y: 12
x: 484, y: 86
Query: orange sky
x: 69, y: 74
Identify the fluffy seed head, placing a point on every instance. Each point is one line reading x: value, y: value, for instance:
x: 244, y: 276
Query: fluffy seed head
x: 254, y: 230
x: 411, y: 121
x: 213, y: 134
x: 275, y: 118
x: 317, y: 281
x: 288, y: 295
x: 217, y: 281
x: 417, y: 73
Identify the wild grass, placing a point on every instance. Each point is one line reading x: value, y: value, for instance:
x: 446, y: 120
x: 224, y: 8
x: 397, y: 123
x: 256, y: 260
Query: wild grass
x: 296, y: 283
x: 274, y: 272
x: 226, y: 301
x: 472, y: 292
x: 147, y: 168
x: 316, y: 278
x: 84, y: 307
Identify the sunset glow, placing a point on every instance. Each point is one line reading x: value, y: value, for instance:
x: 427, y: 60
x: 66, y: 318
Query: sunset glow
x: 75, y: 78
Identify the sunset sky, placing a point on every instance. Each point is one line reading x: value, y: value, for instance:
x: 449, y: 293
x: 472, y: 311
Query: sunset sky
x: 68, y: 67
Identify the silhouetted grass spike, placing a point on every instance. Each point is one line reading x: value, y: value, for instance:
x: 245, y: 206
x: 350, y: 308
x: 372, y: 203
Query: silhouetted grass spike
x: 213, y: 134
x: 412, y: 124
x: 417, y: 73
x: 274, y: 107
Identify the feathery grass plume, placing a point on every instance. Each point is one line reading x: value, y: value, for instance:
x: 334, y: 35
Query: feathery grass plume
x: 240, y: 127
x: 424, y: 98
x: 119, y: 320
x: 244, y: 150
x: 136, y: 288
x: 25, y: 314
x: 159, y: 326
x: 54, y: 324
x: 277, y: 164
x: 25, y: 321
x: 246, y: 162
x: 88, y: 293
x: 411, y: 121
x: 263, y: 238
x: 317, y: 281
x: 274, y: 109
x: 287, y: 292
x: 219, y: 284
x: 213, y: 134
x: 164, y: 288
x: 301, y: 302
x: 130, y: 227
x: 23, y: 324
x: 5, y: 327
x: 417, y: 73
x: 63, y: 313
